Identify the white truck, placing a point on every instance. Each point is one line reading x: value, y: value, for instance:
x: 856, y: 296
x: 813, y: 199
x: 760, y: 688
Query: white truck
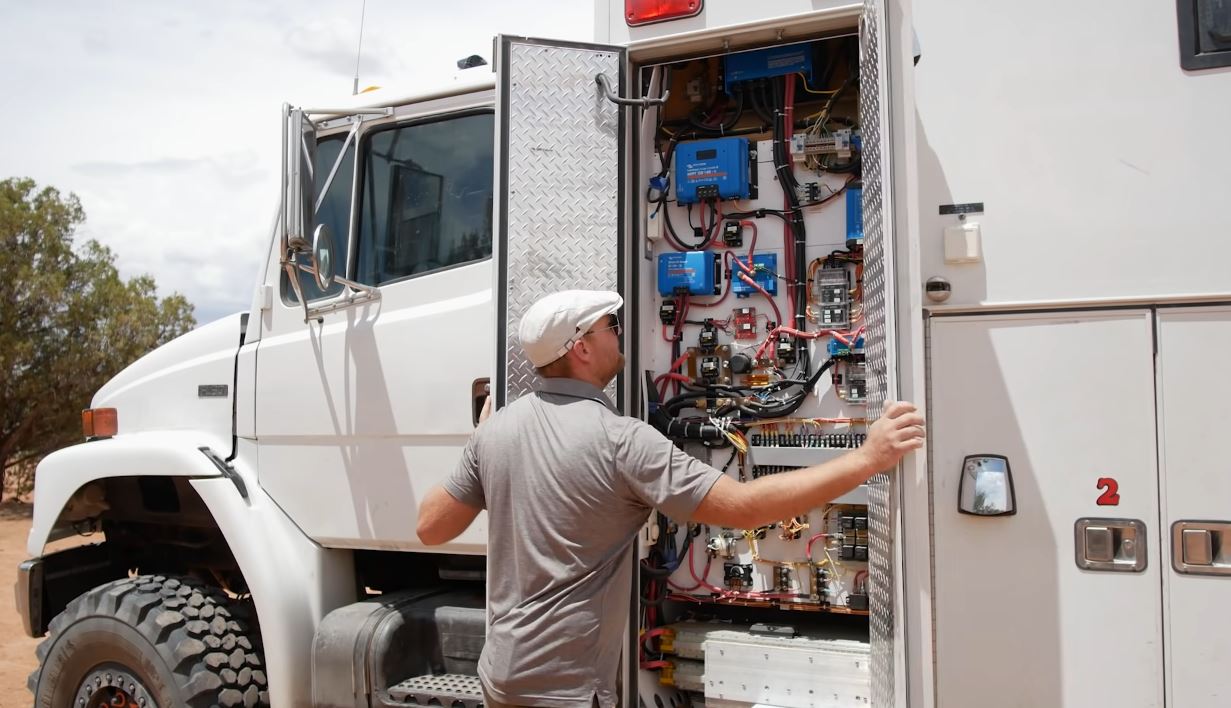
x: 1012, y: 214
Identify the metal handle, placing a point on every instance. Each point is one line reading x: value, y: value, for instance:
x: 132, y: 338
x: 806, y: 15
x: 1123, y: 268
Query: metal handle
x: 601, y: 80
x: 1117, y: 545
x: 1201, y: 547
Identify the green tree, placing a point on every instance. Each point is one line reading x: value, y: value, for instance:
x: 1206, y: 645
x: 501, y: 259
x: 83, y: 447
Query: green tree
x: 68, y: 321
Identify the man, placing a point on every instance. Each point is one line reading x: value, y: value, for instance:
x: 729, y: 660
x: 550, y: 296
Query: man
x: 567, y: 482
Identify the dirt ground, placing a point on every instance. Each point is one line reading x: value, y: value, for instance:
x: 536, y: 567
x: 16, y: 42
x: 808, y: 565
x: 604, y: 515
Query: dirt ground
x: 16, y: 649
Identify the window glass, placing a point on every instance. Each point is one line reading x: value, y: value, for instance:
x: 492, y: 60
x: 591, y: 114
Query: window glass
x: 427, y: 198
x: 334, y: 211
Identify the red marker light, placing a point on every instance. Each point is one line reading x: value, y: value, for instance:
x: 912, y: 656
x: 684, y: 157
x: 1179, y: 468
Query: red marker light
x: 644, y: 12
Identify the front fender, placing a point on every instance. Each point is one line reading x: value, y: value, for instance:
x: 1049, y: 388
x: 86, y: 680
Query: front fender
x: 294, y: 582
x: 62, y: 473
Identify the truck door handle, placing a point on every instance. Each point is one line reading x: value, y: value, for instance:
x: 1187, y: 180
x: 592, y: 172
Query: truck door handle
x: 1116, y: 545
x: 605, y: 87
x: 1201, y: 547
x: 479, y: 390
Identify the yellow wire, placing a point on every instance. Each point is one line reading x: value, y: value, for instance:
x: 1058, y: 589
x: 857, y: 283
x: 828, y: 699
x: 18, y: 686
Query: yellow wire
x: 811, y: 90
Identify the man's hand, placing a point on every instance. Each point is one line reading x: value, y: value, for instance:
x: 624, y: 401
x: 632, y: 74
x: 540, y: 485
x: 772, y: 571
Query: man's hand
x: 898, y: 431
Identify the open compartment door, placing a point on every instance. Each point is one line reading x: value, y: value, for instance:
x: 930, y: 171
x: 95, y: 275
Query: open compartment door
x: 559, y: 154
x: 885, y: 55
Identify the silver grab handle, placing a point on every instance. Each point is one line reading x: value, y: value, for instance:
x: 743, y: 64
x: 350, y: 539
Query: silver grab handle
x: 601, y: 80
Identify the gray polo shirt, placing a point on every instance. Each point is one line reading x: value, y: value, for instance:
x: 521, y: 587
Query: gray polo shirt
x: 567, y: 482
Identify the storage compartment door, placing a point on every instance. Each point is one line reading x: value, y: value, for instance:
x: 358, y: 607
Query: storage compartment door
x: 1193, y: 393
x: 1068, y: 400
x: 558, y: 165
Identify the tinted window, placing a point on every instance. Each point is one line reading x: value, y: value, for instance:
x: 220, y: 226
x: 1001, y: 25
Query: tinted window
x: 427, y: 198
x: 334, y: 211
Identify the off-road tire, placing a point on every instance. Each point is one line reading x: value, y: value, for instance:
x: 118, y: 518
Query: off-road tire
x: 171, y: 641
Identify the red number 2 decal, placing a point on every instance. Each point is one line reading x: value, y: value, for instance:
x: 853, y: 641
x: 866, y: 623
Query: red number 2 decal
x: 1111, y: 493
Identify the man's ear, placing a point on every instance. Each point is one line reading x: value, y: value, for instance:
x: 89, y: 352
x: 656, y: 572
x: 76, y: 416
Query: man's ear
x: 581, y: 351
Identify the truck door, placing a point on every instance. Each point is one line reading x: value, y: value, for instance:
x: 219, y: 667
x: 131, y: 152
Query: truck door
x: 1049, y: 593
x: 367, y: 405
x: 1193, y: 392
x: 558, y: 184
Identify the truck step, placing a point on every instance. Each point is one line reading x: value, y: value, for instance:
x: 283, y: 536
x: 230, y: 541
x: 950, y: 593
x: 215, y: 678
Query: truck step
x: 445, y: 690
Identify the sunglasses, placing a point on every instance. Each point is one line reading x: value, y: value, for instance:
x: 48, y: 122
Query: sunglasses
x: 613, y: 322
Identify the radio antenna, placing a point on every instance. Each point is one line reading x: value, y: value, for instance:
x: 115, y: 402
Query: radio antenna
x: 359, y: 51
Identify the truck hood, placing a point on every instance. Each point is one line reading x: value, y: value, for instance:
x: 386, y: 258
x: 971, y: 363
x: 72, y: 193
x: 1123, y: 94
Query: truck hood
x: 186, y: 384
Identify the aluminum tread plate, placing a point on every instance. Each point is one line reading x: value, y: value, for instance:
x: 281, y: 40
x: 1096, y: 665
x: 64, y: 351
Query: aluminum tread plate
x: 878, y: 304
x: 439, y: 690
x: 562, y: 222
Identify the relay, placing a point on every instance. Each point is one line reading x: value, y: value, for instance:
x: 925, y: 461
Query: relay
x: 690, y: 272
x: 713, y: 169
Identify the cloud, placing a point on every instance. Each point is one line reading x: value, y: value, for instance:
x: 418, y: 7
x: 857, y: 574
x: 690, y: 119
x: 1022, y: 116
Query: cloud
x: 333, y: 47
x: 164, y: 166
x: 235, y: 170
x: 163, y: 117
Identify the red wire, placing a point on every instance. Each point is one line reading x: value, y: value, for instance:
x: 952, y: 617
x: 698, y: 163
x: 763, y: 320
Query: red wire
x: 789, y: 113
x: 808, y: 548
x: 744, y: 277
x: 691, y: 570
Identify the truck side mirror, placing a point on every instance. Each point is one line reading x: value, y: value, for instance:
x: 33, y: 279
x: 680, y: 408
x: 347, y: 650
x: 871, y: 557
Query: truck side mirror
x: 322, y: 256
x: 298, y: 158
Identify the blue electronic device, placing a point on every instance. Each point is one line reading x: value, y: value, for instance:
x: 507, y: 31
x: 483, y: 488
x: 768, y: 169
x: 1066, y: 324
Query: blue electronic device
x: 854, y: 215
x: 765, y: 275
x: 764, y: 63
x: 689, y: 272
x: 838, y: 349
x: 713, y: 169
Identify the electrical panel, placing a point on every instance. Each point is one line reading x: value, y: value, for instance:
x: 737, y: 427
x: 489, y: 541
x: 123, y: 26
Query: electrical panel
x: 712, y: 169
x: 756, y: 363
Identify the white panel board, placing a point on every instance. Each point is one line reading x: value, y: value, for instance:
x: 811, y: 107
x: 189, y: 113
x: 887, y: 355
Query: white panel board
x: 792, y: 673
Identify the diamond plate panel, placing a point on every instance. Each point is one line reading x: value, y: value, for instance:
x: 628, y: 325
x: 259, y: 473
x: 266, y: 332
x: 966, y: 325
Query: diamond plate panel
x: 562, y: 224
x: 455, y: 690
x: 878, y: 305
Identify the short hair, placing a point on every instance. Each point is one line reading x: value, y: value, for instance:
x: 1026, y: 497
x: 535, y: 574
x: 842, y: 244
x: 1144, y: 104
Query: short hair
x: 559, y: 368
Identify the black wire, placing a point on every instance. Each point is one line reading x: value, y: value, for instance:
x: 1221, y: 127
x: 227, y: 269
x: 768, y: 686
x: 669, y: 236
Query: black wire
x: 675, y: 239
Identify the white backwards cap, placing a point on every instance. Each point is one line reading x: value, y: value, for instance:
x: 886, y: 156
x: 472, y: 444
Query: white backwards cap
x: 551, y: 326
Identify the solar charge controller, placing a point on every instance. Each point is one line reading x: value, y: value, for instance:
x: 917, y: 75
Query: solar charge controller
x: 714, y: 169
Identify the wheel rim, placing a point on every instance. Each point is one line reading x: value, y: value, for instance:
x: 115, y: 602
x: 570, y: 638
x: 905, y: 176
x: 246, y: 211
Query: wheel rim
x: 113, y: 686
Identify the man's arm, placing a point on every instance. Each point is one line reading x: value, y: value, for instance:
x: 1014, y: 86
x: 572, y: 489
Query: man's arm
x: 773, y: 497
x: 443, y: 518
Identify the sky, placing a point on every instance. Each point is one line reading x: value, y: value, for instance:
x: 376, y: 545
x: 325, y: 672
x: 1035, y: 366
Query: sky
x: 163, y: 117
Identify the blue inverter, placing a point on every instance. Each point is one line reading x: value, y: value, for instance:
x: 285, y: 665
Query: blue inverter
x: 712, y: 169
x: 765, y: 275
x: 854, y: 215
x: 764, y: 63
x: 689, y: 272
